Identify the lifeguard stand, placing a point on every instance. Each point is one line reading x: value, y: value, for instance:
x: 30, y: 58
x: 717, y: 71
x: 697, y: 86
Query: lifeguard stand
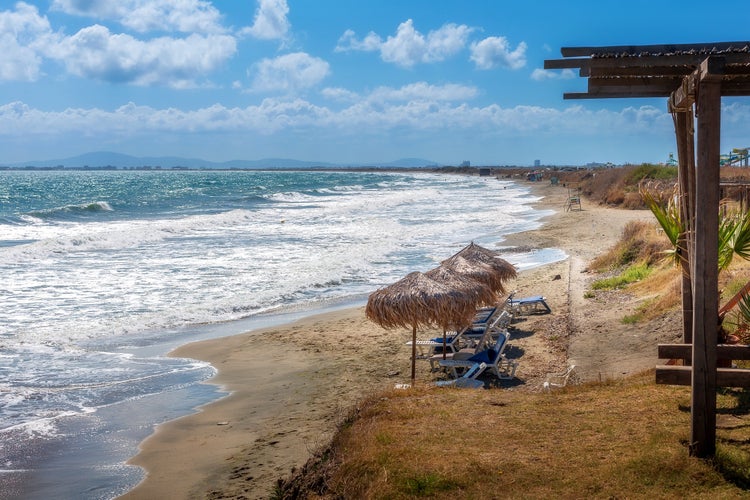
x: 574, y: 199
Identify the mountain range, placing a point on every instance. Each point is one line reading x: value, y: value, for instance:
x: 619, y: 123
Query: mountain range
x: 102, y: 159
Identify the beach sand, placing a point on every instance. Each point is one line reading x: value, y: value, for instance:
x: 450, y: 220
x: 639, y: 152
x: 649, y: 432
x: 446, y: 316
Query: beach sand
x: 291, y: 385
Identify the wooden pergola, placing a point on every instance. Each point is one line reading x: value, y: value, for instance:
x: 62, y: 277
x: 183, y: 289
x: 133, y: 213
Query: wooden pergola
x: 693, y: 77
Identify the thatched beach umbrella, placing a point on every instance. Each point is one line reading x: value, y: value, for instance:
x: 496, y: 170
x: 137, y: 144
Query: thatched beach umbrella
x: 482, y: 293
x: 483, y: 265
x: 419, y: 301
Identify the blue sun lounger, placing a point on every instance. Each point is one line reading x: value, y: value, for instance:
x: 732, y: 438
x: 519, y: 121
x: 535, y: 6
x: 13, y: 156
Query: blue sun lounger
x: 528, y: 305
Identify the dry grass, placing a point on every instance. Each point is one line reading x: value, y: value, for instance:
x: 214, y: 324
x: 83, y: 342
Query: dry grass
x: 623, y: 439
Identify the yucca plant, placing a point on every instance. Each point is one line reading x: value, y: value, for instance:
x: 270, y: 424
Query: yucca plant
x: 734, y: 239
x: 667, y: 213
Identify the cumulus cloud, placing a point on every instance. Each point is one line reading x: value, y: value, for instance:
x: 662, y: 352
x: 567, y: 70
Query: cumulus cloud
x: 289, y: 73
x: 408, y: 46
x: 540, y: 74
x: 339, y: 94
x: 271, y: 21
x: 95, y: 52
x: 348, y: 42
x: 495, y: 51
x: 422, y: 91
x: 187, y: 16
x: 21, y: 32
x: 390, y: 110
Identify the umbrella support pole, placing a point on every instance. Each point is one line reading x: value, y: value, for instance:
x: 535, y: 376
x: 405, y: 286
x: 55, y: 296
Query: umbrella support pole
x: 413, y: 354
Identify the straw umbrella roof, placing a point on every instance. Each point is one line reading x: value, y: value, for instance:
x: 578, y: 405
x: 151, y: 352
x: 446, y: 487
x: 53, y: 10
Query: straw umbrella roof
x: 483, y: 265
x: 419, y: 301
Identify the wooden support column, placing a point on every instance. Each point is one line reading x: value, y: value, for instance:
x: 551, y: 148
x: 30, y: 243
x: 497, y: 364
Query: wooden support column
x: 681, y: 108
x: 705, y: 269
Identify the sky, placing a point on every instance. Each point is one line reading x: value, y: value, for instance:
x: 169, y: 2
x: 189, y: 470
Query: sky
x: 339, y: 81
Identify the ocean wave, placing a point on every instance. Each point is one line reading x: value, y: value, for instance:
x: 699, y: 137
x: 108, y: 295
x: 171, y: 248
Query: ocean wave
x: 66, y: 211
x: 38, y: 242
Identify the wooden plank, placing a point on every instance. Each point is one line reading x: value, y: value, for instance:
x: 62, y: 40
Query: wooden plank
x: 667, y: 82
x: 649, y: 62
x: 705, y: 263
x: 684, y: 97
x: 683, y: 121
x: 681, y: 375
x: 651, y: 49
x: 723, y: 351
x: 565, y: 63
x: 634, y: 90
x: 623, y: 94
x: 638, y: 71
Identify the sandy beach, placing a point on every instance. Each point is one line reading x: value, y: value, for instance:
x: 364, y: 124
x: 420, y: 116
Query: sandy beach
x: 290, y: 385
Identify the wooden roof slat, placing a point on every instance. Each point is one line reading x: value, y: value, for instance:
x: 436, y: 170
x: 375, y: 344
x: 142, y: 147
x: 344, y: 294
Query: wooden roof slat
x: 648, y: 65
x: 712, y: 47
x: 614, y: 94
x: 636, y: 71
x: 565, y: 63
x: 671, y: 82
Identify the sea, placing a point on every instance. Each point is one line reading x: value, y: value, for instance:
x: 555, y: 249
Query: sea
x: 103, y: 272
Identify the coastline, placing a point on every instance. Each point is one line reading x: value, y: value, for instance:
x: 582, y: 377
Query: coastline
x: 291, y: 384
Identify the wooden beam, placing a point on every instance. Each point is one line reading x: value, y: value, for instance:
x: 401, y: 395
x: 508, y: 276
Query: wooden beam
x: 668, y: 83
x: 684, y: 351
x: 683, y: 123
x: 684, y: 95
x: 652, y: 49
x: 648, y: 62
x: 638, y: 71
x: 680, y: 375
x: 619, y: 94
x: 705, y: 260
x: 565, y: 63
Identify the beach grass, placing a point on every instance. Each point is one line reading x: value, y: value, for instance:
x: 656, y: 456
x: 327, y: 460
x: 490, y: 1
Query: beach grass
x: 618, y: 439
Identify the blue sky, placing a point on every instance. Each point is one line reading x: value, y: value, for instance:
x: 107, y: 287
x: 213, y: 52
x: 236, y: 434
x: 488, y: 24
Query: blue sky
x: 343, y: 81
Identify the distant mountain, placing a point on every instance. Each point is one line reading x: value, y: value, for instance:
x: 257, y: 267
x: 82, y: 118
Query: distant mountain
x: 102, y: 159
x: 406, y: 163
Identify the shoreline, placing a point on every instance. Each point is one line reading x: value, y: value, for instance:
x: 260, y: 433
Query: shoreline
x: 291, y: 384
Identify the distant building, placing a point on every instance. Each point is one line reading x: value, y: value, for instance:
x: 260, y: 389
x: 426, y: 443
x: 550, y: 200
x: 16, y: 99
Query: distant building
x: 537, y: 163
x: 465, y: 163
x: 485, y: 172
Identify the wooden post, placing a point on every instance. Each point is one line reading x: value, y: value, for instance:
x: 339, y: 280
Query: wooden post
x: 705, y: 260
x: 683, y: 118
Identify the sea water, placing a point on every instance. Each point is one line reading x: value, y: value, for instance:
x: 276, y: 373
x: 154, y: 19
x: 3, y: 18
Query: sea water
x: 102, y: 272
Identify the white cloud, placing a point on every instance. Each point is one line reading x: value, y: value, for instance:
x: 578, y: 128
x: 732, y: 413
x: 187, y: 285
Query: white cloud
x: 495, y: 52
x: 422, y: 91
x: 540, y: 74
x: 348, y: 42
x: 21, y: 31
x: 408, y: 46
x: 339, y: 94
x: 271, y: 21
x: 289, y: 72
x: 367, y: 116
x: 187, y: 16
x: 96, y: 53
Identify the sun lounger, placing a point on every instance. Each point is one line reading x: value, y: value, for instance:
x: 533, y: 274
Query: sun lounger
x: 493, y: 357
x: 468, y: 380
x: 528, y: 305
x: 557, y: 380
x: 453, y: 341
x: 477, y: 340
